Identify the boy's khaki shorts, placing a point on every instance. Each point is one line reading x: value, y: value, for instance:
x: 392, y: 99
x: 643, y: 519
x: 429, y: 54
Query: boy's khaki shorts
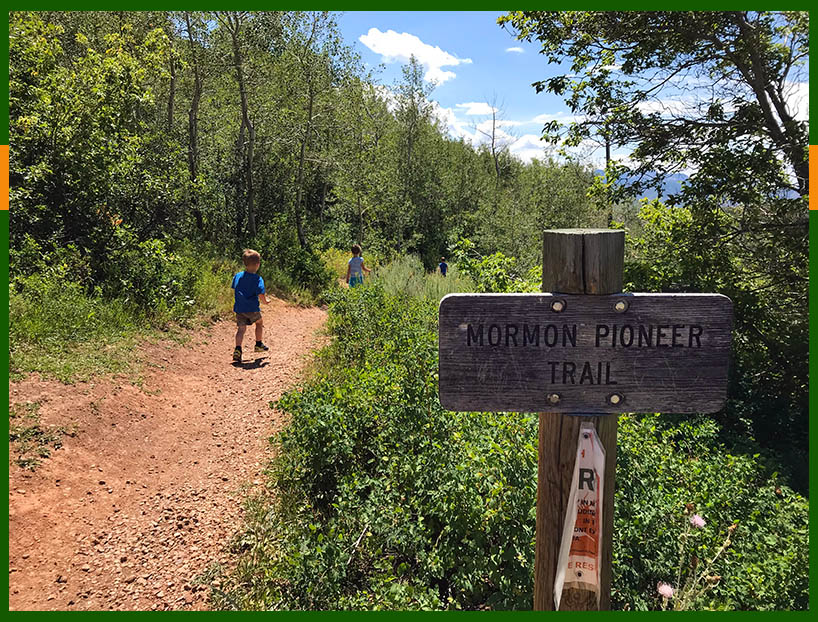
x: 248, y: 318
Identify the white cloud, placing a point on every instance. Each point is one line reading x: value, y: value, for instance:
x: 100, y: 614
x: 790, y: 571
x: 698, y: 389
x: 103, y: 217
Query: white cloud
x: 680, y: 107
x: 527, y: 147
x: 473, y: 108
x: 518, y: 50
x: 448, y: 119
x: 560, y: 117
x: 399, y: 47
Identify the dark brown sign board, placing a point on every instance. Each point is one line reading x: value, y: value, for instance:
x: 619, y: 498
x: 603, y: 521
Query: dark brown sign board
x: 584, y: 354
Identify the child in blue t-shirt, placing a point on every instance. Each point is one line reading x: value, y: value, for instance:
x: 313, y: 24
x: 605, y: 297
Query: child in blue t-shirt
x: 356, y: 267
x: 444, y: 267
x: 249, y: 289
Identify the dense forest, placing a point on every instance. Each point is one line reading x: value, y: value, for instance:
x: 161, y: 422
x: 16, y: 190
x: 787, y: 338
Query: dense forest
x: 148, y: 148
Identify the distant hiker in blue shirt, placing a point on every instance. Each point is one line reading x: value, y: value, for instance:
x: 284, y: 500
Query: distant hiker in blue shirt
x: 249, y: 289
x: 356, y: 267
x: 444, y: 267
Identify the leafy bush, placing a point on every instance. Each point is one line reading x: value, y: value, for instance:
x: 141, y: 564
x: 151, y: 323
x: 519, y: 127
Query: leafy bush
x: 288, y: 270
x: 147, y: 274
x: 768, y: 390
x: 494, y: 273
x: 336, y: 260
x: 666, y: 462
x: 62, y: 324
x: 383, y: 500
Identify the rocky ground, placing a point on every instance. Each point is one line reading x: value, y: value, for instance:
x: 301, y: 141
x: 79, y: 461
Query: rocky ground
x: 134, y: 510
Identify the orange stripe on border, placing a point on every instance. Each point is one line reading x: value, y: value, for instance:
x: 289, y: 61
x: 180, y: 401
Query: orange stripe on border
x: 4, y: 175
x: 813, y: 176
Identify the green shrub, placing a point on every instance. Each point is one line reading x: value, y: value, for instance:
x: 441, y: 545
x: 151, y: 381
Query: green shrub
x: 288, y: 270
x: 64, y: 325
x: 494, y: 273
x: 383, y: 500
x: 665, y: 462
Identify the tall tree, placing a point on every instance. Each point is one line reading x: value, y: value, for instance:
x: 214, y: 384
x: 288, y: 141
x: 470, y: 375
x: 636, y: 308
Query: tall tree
x: 233, y: 22
x: 685, y: 88
x: 194, y: 34
x: 709, y: 93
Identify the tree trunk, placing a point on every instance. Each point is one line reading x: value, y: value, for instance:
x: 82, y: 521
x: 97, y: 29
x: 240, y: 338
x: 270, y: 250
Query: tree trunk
x: 238, y: 179
x: 193, y: 130
x: 172, y: 93
x: 360, y: 222
x: 234, y: 23
x: 302, y: 240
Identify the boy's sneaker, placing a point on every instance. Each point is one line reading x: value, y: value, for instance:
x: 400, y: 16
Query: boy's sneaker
x: 237, y: 354
x: 260, y: 347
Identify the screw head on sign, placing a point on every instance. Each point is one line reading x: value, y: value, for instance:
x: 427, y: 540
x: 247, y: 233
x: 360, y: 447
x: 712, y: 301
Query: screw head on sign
x: 558, y: 306
x: 615, y: 398
x: 553, y: 398
x: 620, y: 306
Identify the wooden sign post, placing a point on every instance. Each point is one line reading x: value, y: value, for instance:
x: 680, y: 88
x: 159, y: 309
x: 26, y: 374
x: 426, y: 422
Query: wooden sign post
x: 574, y: 262
x: 579, y: 355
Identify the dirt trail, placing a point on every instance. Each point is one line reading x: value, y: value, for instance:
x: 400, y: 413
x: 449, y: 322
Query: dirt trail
x: 149, y: 492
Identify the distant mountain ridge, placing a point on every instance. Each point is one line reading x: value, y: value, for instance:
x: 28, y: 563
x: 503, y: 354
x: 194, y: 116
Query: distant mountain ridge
x: 672, y: 184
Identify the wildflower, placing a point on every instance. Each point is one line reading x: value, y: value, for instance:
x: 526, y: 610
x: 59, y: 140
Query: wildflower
x: 713, y: 579
x: 697, y: 521
x: 689, y: 507
x: 664, y: 590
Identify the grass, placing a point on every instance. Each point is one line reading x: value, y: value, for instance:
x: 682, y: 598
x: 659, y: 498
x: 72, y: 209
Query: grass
x: 29, y: 442
x: 406, y: 275
x: 64, y: 333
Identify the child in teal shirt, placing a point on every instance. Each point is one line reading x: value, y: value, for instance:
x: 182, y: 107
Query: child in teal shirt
x: 356, y: 267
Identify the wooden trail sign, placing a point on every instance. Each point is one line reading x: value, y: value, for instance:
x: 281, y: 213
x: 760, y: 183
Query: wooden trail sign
x: 584, y: 354
x: 680, y: 365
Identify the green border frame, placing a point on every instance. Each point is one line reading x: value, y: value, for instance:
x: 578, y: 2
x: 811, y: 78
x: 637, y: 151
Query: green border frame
x: 427, y: 5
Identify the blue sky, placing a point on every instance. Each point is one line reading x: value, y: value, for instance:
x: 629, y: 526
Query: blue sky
x: 467, y: 53
x: 476, y: 63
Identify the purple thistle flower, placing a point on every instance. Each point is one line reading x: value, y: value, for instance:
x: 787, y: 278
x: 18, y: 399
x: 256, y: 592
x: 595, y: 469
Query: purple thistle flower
x: 697, y: 521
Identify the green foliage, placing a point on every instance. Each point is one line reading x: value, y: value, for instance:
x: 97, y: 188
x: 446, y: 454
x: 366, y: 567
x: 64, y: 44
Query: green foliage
x: 63, y: 326
x: 623, y: 68
x: 406, y: 275
x: 768, y: 386
x: 288, y: 270
x: 666, y: 462
x: 494, y: 273
x: 385, y: 500
x: 380, y: 499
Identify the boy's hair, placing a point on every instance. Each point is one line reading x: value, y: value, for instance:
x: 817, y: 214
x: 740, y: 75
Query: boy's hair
x: 250, y: 256
x: 442, y: 259
x: 356, y: 249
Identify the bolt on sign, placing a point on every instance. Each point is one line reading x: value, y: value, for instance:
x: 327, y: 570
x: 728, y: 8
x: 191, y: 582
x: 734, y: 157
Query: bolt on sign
x: 588, y: 354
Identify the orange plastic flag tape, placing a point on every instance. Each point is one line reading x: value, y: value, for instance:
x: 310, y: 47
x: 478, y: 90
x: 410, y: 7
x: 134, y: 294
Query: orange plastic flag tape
x: 4, y: 175
x: 813, y: 175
